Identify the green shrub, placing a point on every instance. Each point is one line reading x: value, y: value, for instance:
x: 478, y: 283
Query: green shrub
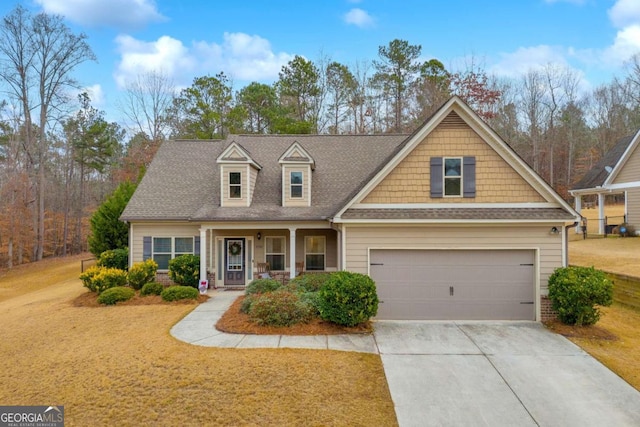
x: 114, y: 258
x: 279, y: 308
x: 175, y: 293
x: 261, y: 286
x: 348, y: 298
x: 246, y: 303
x: 87, y: 277
x: 310, y: 282
x: 99, y: 279
x: 575, y: 293
x: 152, y: 288
x: 142, y: 273
x: 184, y: 270
x: 116, y: 294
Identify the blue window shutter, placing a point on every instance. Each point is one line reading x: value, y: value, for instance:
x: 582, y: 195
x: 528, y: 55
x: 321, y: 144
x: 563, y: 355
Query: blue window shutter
x: 436, y: 177
x: 196, y: 245
x: 469, y: 176
x: 146, y: 248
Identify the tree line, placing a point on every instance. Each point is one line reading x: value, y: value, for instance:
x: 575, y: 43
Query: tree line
x: 60, y: 158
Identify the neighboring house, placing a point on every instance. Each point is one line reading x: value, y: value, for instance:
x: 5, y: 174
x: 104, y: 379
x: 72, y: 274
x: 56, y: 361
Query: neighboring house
x: 449, y: 221
x: 618, y: 172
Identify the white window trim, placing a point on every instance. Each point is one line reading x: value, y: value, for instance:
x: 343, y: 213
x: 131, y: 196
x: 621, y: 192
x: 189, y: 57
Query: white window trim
x: 235, y: 185
x: 444, y: 177
x: 173, y: 252
x: 324, y: 252
x: 291, y: 185
x: 284, y: 246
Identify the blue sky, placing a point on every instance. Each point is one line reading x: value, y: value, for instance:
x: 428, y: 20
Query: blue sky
x: 250, y: 40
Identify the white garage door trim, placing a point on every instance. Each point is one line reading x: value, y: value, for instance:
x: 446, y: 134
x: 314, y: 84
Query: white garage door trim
x: 536, y: 260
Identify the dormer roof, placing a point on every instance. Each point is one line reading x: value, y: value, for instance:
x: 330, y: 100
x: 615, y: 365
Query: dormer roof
x: 237, y: 154
x: 296, y: 154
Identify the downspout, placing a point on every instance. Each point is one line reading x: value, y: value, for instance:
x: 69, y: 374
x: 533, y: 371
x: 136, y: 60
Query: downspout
x: 566, y: 241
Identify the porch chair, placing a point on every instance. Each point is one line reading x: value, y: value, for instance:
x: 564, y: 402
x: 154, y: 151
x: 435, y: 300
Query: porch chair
x: 263, y: 270
x: 299, y: 268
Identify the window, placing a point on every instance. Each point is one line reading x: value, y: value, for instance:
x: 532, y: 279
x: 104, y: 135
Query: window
x: 275, y: 252
x: 296, y: 185
x: 453, y: 176
x: 167, y: 248
x: 235, y: 185
x: 314, y: 252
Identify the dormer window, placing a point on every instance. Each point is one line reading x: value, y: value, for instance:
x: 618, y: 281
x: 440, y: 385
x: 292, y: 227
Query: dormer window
x: 235, y: 185
x: 296, y: 185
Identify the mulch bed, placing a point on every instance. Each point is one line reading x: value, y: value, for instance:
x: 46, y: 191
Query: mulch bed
x: 90, y: 299
x: 235, y: 322
x: 587, y: 332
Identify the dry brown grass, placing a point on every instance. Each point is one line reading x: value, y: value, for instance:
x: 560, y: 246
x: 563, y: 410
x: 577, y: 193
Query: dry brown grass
x: 614, y: 341
x: 614, y: 254
x: 119, y: 366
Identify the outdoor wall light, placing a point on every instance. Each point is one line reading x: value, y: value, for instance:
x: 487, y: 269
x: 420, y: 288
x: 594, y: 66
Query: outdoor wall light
x: 259, y: 235
x: 554, y: 230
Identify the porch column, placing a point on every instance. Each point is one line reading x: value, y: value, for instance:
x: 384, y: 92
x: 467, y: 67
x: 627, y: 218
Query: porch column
x: 578, y: 203
x: 600, y: 213
x: 292, y: 252
x: 203, y: 254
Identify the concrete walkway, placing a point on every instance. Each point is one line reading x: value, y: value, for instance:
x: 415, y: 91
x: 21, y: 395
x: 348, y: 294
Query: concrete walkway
x: 198, y: 328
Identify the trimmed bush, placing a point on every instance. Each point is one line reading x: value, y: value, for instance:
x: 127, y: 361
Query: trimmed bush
x: 175, y: 293
x: 116, y: 294
x: 310, y: 282
x: 99, y: 279
x: 348, y: 298
x: 114, y: 258
x: 142, y: 273
x: 279, y: 308
x: 246, y: 303
x: 152, y: 288
x: 261, y: 286
x: 575, y: 293
x: 184, y: 270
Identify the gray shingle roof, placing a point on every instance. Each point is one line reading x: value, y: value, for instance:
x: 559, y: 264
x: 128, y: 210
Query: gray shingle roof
x: 597, y: 175
x: 182, y: 182
x: 461, y: 214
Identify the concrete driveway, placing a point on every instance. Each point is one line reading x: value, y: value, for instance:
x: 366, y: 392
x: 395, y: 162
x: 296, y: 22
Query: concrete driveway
x: 498, y: 374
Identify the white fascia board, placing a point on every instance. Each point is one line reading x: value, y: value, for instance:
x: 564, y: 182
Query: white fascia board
x: 450, y: 221
x: 623, y: 160
x: 454, y: 205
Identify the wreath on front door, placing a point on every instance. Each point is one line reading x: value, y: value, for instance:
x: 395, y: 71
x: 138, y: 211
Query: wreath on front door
x: 235, y: 248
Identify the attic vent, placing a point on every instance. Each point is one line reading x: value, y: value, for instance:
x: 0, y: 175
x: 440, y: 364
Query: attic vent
x: 453, y: 121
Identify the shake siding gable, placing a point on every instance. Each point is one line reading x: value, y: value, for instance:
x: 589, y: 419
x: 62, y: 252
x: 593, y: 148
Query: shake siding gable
x: 495, y: 180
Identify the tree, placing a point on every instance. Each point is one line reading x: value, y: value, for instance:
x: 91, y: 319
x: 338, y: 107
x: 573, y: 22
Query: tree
x: 397, y: 70
x: 340, y: 87
x: 146, y: 103
x: 40, y: 52
x: 260, y: 104
x: 107, y: 231
x: 299, y: 90
x: 202, y: 110
x: 433, y: 88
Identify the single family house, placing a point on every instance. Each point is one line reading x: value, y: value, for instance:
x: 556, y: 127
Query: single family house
x: 448, y: 221
x: 617, y: 172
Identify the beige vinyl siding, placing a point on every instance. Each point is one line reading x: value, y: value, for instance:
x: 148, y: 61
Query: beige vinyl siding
x: 496, y: 181
x: 158, y: 230
x: 253, y: 176
x: 631, y: 170
x: 633, y: 207
x: 226, y: 200
x: 286, y: 184
x: 362, y: 238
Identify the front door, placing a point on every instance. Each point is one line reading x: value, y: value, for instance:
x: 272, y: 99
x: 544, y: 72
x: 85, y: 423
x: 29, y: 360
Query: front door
x: 234, y: 262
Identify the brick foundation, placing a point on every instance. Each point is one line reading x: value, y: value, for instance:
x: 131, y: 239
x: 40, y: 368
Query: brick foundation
x: 165, y: 280
x: 546, y: 312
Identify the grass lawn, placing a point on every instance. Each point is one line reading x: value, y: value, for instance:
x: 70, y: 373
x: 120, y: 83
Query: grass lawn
x: 119, y: 366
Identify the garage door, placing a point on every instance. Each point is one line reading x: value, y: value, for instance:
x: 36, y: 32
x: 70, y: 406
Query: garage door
x: 454, y: 285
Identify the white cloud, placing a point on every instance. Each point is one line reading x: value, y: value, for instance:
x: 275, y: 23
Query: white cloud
x: 625, y: 13
x: 517, y: 63
x: 239, y: 56
x: 123, y: 14
x: 566, y: 1
x: 96, y: 94
x: 626, y: 44
x: 359, y: 18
